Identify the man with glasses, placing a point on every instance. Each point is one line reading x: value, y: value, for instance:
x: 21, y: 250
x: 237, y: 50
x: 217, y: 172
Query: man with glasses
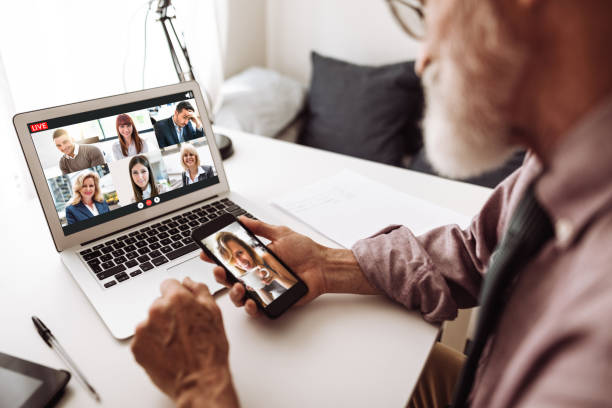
x: 498, y: 75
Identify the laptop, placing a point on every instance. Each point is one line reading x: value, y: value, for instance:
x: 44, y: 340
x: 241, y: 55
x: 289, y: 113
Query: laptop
x: 122, y: 187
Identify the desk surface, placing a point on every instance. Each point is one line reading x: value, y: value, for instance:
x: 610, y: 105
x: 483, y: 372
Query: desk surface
x: 342, y: 350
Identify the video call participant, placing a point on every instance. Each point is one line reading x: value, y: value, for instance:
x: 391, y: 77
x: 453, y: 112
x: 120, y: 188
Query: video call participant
x: 190, y: 160
x: 243, y: 258
x: 143, y: 181
x: 129, y: 143
x: 87, y: 201
x: 179, y: 127
x: 76, y: 157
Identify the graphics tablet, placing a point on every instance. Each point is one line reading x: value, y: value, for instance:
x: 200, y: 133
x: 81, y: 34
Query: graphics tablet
x: 29, y: 385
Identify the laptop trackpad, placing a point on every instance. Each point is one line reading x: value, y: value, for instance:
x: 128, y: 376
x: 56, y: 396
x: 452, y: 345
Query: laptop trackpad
x: 198, y: 271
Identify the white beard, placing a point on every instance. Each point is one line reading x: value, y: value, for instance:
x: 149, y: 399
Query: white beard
x: 466, y: 127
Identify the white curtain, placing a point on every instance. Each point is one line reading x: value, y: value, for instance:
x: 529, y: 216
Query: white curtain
x: 205, y: 25
x: 17, y: 185
x: 63, y: 51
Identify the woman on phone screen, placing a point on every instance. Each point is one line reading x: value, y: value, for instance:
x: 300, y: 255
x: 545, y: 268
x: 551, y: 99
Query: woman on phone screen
x: 276, y: 280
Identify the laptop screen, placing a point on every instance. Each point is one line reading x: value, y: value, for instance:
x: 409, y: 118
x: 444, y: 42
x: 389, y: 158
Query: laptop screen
x: 108, y: 163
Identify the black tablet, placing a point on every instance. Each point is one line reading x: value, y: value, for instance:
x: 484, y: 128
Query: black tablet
x: 24, y: 384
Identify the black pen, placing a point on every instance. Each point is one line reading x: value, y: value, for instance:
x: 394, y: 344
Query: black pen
x: 52, y: 342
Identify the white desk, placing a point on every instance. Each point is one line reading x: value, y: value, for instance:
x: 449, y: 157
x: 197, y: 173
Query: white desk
x: 341, y: 350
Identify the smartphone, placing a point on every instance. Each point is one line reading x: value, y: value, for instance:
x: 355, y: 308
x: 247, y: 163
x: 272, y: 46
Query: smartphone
x: 268, y: 281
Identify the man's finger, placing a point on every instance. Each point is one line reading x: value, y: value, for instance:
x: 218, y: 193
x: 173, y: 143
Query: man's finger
x: 205, y: 257
x: 236, y: 294
x: 221, y: 276
x: 171, y: 286
x: 140, y: 328
x: 262, y: 229
x: 251, y: 308
x: 200, y: 290
x: 162, y: 314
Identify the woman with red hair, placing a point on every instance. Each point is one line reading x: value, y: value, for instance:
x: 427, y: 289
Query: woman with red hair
x: 129, y: 143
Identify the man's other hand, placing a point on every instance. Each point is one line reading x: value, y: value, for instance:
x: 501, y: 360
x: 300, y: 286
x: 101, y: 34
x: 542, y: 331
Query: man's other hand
x: 183, y: 348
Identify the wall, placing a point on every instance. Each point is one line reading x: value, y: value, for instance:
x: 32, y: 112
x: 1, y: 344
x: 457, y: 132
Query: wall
x: 246, y: 37
x: 360, y: 31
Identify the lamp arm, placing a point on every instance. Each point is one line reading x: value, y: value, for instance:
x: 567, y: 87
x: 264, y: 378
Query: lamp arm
x: 162, y: 10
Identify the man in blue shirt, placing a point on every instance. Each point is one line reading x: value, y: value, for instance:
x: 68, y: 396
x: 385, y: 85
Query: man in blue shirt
x: 178, y: 128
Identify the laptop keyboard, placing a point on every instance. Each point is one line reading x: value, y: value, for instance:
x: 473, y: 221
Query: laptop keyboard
x: 140, y: 251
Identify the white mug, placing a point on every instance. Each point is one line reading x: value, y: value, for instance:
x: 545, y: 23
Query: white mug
x: 251, y: 277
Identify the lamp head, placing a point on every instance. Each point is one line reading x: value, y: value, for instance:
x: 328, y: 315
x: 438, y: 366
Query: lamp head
x: 162, y: 5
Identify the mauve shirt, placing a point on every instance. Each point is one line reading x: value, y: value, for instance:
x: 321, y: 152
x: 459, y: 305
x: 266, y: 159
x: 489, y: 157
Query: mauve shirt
x: 553, y: 344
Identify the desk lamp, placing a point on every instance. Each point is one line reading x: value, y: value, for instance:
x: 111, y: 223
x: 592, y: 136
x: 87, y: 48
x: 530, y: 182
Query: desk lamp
x: 224, y: 143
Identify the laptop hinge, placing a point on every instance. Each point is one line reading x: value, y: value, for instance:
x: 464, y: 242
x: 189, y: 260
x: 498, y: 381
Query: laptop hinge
x: 147, y: 221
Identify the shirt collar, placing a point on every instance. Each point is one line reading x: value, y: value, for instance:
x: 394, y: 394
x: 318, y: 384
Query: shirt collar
x: 146, y: 193
x: 76, y: 152
x: 200, y: 171
x: 578, y: 183
x: 177, y: 127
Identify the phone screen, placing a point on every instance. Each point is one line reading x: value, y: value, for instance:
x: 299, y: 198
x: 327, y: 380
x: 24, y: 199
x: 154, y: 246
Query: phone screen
x: 250, y: 262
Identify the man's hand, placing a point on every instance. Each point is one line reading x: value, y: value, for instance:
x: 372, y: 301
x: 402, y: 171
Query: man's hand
x: 196, y: 120
x: 183, y: 347
x: 324, y: 270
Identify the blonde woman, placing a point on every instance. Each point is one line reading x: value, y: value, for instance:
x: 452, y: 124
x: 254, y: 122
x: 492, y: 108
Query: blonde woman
x: 87, y: 201
x: 274, y: 277
x: 190, y: 160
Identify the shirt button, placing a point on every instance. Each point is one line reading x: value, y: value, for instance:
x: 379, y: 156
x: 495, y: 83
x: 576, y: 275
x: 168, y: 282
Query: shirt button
x: 564, y: 230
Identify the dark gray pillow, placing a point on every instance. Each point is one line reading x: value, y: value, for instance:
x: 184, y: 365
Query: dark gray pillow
x: 490, y: 179
x: 362, y: 111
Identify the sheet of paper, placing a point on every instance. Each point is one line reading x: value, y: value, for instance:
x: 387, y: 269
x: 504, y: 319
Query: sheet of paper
x: 348, y: 207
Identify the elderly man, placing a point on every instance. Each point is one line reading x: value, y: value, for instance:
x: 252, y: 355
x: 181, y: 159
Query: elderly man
x: 498, y: 75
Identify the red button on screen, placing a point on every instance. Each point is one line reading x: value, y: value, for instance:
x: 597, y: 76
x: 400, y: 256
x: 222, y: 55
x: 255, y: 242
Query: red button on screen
x: 148, y: 202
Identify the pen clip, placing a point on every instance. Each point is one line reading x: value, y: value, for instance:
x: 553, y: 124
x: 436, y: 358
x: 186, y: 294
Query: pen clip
x: 44, y: 332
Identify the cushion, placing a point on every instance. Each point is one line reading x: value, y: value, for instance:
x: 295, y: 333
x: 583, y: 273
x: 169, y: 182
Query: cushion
x: 260, y: 101
x: 363, y: 111
x: 490, y: 179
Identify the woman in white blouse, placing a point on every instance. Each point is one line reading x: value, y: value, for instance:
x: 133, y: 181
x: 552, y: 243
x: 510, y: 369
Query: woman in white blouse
x: 143, y: 180
x: 129, y: 143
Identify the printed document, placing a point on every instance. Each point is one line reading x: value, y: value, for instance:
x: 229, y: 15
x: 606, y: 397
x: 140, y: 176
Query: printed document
x: 348, y: 207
